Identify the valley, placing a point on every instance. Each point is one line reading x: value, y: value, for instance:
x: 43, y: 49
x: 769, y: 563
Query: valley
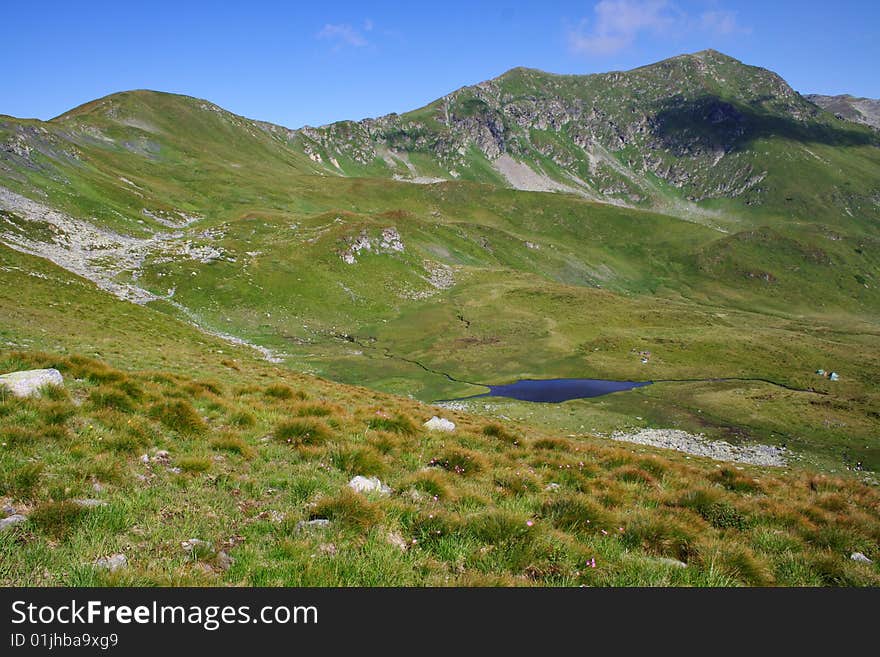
x: 695, y: 224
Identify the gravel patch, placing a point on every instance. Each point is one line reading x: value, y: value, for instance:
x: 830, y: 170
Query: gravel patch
x: 699, y: 445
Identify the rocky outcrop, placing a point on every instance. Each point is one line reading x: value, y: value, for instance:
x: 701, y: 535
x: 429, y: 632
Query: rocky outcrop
x: 865, y: 111
x: 685, y: 121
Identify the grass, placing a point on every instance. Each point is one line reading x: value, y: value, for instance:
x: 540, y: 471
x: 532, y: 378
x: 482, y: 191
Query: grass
x: 484, y: 514
x: 179, y: 416
x: 302, y: 432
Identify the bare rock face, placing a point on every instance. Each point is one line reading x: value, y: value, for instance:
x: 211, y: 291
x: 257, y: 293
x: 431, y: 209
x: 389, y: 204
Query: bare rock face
x: 849, y: 108
x: 28, y: 383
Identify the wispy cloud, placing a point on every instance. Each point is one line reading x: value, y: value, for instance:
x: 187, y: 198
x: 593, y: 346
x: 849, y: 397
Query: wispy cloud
x: 722, y: 22
x: 617, y: 24
x: 344, y: 34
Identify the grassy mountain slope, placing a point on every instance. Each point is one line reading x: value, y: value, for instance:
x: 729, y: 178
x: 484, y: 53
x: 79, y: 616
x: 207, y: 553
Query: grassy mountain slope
x: 252, y: 231
x: 178, y: 436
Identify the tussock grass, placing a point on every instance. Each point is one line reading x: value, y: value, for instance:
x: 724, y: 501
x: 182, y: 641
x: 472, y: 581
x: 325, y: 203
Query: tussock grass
x: 58, y: 519
x: 661, y: 535
x: 559, y: 444
x: 459, y: 461
x: 23, y: 482
x: 230, y: 442
x: 385, y: 442
x: 498, y: 526
x: 350, y: 509
x: 194, y: 464
x: 303, y: 432
x: 316, y: 410
x: 179, y: 416
x: 736, y: 481
x: 112, y: 398
x: 435, y: 484
x: 397, y: 424
x: 516, y: 482
x: 720, y: 513
x: 738, y: 562
x: 577, y: 513
x: 242, y: 419
x: 359, y: 461
x: 282, y: 391
x: 495, y: 430
x: 634, y: 475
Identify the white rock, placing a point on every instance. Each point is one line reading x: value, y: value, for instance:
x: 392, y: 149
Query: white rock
x: 675, y: 563
x: 112, y: 563
x: 317, y: 523
x: 439, y: 424
x: 552, y: 486
x: 861, y: 558
x: 28, y: 382
x: 362, y: 484
x: 11, y: 521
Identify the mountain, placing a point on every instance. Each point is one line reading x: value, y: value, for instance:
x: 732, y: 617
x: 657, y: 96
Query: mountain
x: 701, y: 127
x: 859, y: 110
x: 248, y: 317
x: 698, y: 209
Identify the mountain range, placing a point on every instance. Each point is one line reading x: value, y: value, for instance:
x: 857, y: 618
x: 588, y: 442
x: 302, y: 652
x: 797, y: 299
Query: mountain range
x: 253, y: 321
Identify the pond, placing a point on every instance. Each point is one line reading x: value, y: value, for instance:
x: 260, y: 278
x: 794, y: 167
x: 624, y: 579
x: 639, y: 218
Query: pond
x: 559, y: 390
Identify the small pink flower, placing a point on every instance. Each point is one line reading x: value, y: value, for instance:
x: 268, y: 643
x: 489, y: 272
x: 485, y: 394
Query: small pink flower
x: 529, y: 523
x: 604, y: 533
x: 620, y: 528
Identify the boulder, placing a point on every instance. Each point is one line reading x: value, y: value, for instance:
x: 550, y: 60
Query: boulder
x: 362, y: 484
x: 439, y: 424
x: 28, y: 383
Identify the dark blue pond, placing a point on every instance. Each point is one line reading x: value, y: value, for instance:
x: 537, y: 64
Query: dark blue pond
x: 559, y: 390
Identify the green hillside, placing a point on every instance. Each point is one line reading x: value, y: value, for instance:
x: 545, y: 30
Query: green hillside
x: 697, y: 208
x: 171, y: 458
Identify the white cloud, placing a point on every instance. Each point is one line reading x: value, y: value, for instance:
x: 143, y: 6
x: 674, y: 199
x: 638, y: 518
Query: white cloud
x: 721, y: 22
x: 617, y: 24
x: 343, y: 34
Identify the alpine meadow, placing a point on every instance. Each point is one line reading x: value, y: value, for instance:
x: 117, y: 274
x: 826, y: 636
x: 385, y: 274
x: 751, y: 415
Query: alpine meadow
x: 282, y: 354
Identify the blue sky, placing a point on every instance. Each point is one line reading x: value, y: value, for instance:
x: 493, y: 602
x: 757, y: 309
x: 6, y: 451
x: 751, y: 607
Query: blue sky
x: 312, y: 63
